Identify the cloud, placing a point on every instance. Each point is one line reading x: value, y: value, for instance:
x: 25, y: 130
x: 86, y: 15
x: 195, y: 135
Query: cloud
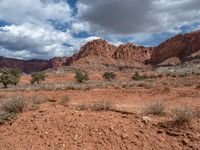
x: 78, y: 27
x: 48, y: 28
x: 137, y: 16
x: 34, y: 11
x: 31, y: 40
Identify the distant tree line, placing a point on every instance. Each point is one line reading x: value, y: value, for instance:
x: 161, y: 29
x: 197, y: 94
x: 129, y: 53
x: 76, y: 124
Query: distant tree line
x: 12, y: 77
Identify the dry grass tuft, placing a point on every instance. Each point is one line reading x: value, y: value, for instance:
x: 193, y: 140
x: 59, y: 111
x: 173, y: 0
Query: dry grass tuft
x: 156, y: 108
x: 37, y: 99
x: 102, y: 106
x: 182, y: 115
x: 14, y: 104
x: 83, y: 106
x: 64, y: 101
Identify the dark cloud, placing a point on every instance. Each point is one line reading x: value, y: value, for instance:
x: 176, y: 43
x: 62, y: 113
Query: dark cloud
x: 136, y: 16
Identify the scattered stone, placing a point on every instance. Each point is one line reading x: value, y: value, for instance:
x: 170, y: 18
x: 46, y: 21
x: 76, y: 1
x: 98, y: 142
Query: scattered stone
x: 171, y: 133
x: 124, y: 136
x: 141, y: 131
x: 52, y: 100
x: 184, y: 141
x: 111, y: 128
x: 146, y: 120
x: 159, y: 131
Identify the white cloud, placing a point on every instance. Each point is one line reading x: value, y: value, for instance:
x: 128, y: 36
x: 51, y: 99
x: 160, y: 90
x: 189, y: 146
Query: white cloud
x: 29, y: 41
x: 33, y: 40
x: 33, y: 11
x: 79, y: 27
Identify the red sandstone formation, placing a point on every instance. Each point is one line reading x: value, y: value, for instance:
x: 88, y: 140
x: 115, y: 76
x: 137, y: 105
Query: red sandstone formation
x: 57, y: 62
x: 180, y: 46
x: 99, y: 52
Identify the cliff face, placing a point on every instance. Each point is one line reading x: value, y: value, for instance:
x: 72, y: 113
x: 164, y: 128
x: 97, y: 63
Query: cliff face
x: 26, y: 66
x: 57, y: 62
x: 130, y: 52
x: 180, y: 46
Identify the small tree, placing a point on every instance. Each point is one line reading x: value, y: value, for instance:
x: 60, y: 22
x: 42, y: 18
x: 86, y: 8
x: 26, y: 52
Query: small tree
x: 81, y: 76
x: 38, y: 77
x: 9, y: 76
x: 17, y: 75
x: 109, y: 76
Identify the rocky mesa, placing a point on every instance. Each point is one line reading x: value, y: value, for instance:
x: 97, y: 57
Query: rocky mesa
x: 99, y: 52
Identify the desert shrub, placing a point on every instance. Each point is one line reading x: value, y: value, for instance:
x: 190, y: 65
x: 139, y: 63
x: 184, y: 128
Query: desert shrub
x: 37, y: 99
x: 102, y: 105
x: 83, y: 106
x: 138, y: 77
x: 109, y: 76
x: 156, y: 108
x: 182, y: 115
x: 183, y: 75
x: 14, y: 104
x: 34, y: 107
x: 64, y: 101
x: 4, y: 116
x: 38, y: 77
x: 81, y: 76
x: 9, y: 76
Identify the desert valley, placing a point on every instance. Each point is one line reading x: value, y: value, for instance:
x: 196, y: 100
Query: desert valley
x: 105, y: 97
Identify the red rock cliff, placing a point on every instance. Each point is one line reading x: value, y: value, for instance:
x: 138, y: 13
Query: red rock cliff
x: 180, y: 46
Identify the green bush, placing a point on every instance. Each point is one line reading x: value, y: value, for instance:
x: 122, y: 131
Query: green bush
x: 9, y: 76
x: 109, y: 76
x: 81, y: 76
x: 38, y: 77
x: 138, y: 77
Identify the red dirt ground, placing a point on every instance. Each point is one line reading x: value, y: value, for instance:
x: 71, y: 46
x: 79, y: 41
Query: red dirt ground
x: 56, y: 127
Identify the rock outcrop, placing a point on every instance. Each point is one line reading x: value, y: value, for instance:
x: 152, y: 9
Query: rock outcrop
x: 57, y: 62
x: 133, y: 53
x: 100, y: 52
x: 97, y: 48
x: 180, y: 46
x: 94, y: 54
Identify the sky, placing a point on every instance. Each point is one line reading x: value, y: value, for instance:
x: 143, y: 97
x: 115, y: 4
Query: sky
x: 44, y: 29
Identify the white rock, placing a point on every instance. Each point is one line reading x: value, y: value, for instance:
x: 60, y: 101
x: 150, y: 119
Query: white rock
x: 146, y: 120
